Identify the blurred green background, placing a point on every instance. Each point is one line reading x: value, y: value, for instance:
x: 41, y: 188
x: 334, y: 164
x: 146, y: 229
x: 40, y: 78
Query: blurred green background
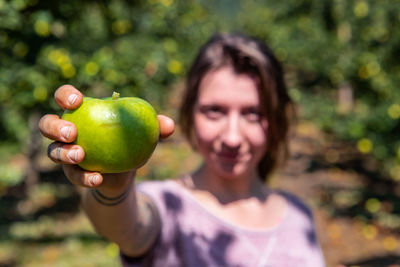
x: 342, y: 67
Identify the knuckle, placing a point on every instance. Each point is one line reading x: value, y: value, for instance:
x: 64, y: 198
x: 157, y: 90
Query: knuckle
x: 54, y: 152
x: 63, y: 89
x: 68, y: 97
x: 60, y: 95
x: 65, y: 153
x: 43, y: 122
x: 79, y: 177
x: 48, y: 125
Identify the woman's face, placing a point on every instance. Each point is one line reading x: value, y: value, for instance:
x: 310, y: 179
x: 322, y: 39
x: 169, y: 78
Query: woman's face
x: 230, y: 127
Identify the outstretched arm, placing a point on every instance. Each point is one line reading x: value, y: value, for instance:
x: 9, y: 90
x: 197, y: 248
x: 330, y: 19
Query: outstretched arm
x: 111, y: 202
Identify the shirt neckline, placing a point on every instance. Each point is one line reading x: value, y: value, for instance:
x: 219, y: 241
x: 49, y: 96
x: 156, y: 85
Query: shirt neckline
x: 227, y: 223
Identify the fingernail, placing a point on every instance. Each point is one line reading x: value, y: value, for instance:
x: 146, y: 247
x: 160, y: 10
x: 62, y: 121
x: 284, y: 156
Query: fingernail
x: 66, y: 131
x: 72, y: 98
x: 73, y: 155
x: 94, y: 180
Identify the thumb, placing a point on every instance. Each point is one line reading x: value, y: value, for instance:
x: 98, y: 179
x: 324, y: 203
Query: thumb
x: 167, y: 126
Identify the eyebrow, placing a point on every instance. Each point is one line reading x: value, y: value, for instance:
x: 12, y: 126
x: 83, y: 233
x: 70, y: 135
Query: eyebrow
x: 214, y: 104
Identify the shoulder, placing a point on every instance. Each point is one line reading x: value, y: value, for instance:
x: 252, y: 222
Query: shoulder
x: 297, y: 206
x: 166, y: 195
x: 155, y: 187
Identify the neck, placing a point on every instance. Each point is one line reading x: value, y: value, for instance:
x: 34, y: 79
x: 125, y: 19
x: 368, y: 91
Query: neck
x: 228, y: 190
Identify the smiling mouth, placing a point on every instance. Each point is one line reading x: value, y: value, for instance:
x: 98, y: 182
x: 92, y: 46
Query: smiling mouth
x: 229, y: 156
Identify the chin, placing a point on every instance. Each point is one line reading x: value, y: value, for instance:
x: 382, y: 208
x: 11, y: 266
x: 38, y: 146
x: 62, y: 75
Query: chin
x: 232, y: 171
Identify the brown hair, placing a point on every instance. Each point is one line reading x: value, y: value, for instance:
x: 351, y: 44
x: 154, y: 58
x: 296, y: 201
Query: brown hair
x: 246, y: 55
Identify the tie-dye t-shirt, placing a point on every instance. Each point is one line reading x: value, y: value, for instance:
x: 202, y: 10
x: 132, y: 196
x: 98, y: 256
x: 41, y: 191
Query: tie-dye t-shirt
x: 193, y: 236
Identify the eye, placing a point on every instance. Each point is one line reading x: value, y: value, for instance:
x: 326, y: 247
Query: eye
x: 212, y: 112
x: 252, y: 114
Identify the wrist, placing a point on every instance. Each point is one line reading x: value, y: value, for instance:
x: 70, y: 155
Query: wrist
x: 114, y: 189
x: 107, y: 200
x: 115, y: 184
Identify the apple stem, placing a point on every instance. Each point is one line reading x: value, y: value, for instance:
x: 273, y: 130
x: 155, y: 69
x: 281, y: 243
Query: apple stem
x: 115, y: 96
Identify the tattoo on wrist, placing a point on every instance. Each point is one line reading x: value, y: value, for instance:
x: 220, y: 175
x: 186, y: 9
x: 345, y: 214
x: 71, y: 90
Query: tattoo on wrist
x: 109, y: 201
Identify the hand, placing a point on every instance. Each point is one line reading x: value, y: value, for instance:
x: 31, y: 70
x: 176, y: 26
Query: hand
x: 65, y: 152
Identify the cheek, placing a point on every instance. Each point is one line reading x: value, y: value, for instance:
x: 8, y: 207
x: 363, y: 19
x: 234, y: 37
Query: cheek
x: 258, y: 135
x: 205, y: 131
x: 258, y: 138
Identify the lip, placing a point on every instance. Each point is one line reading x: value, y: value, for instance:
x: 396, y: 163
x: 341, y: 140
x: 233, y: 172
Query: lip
x: 229, y: 156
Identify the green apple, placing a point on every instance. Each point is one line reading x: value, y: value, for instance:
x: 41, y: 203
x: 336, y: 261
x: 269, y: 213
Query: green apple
x: 117, y: 134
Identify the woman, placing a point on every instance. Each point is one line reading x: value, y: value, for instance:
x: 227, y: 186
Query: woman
x: 235, y: 113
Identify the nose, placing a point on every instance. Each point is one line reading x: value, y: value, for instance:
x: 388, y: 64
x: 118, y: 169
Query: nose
x: 232, y: 136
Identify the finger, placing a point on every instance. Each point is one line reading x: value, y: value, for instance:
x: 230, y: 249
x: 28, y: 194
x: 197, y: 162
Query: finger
x: 68, y: 97
x: 80, y: 177
x: 65, y: 153
x: 54, y: 128
x: 167, y: 126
